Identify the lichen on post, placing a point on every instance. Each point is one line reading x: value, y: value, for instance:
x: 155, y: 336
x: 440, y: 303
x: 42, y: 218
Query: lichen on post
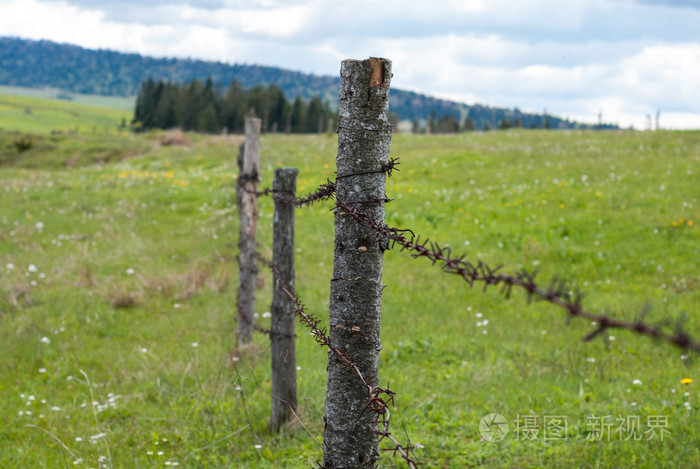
x: 364, y: 137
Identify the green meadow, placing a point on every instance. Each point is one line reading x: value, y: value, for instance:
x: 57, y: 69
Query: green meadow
x: 37, y: 114
x: 118, y: 283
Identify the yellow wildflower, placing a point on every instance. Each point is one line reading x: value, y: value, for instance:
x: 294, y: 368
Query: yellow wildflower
x: 686, y: 380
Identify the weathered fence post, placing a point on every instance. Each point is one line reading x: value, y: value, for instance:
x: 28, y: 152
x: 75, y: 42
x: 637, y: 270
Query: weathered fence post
x: 364, y: 135
x: 247, y: 187
x: 284, y: 373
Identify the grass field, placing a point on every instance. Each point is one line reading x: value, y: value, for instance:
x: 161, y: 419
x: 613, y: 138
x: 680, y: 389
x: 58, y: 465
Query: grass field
x: 113, y: 102
x: 118, y: 287
x: 38, y: 115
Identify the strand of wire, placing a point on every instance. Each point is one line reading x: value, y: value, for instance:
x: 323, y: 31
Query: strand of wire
x: 378, y: 398
x: 326, y: 190
x: 558, y: 292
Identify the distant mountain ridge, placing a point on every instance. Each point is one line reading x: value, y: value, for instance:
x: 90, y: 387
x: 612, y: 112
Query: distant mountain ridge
x: 33, y: 64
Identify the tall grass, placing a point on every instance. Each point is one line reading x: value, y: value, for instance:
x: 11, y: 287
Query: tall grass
x: 125, y: 269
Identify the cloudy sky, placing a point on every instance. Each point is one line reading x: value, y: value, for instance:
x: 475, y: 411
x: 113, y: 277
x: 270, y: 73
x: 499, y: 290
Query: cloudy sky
x: 574, y: 58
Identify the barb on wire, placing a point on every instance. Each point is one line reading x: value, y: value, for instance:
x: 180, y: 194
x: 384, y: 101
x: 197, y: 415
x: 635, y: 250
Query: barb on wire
x: 327, y: 189
x: 387, y: 168
x: 558, y: 292
x: 378, y: 398
x: 324, y: 192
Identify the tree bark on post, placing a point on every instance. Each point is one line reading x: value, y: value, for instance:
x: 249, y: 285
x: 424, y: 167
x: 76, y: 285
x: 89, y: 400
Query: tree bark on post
x: 364, y: 136
x: 247, y: 187
x: 284, y: 371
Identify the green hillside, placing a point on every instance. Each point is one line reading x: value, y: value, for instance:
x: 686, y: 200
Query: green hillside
x: 115, y: 102
x: 42, y: 115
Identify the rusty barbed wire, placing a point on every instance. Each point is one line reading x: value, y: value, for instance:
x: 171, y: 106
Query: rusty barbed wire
x: 558, y: 292
x: 326, y: 190
x: 378, y: 398
x: 387, y: 168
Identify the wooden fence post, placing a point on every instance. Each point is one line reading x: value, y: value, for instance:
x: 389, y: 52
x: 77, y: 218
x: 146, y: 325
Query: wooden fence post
x: 284, y: 372
x: 247, y: 187
x: 364, y: 136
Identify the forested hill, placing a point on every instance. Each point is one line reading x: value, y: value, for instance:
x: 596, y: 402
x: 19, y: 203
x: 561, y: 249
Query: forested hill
x: 77, y: 70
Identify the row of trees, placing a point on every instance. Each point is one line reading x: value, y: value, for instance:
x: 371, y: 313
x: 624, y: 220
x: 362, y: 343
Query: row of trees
x: 448, y: 123
x: 205, y: 107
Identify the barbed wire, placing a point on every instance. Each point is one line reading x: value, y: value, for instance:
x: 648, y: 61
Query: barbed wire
x: 326, y: 190
x: 558, y: 292
x: 378, y: 398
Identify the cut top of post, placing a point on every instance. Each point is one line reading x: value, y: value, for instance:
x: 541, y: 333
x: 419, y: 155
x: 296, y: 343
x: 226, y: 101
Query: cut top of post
x: 365, y: 87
